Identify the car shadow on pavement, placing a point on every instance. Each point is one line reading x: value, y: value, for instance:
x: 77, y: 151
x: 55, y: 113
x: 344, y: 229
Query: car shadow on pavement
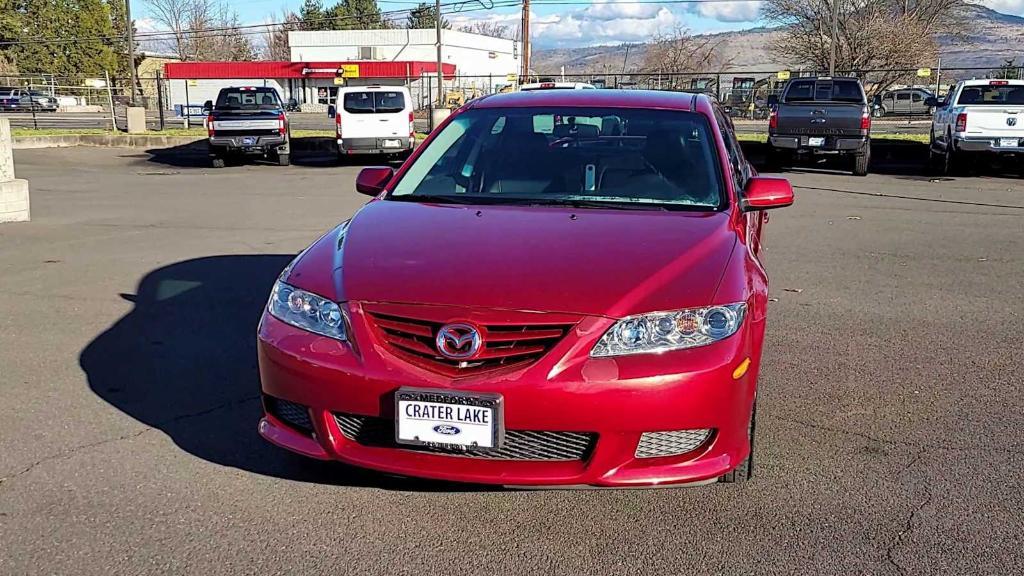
x: 183, y: 361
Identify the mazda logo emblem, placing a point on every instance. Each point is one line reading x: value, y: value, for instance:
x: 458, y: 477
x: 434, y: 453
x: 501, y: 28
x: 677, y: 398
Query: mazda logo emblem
x: 1011, y: 121
x: 458, y: 341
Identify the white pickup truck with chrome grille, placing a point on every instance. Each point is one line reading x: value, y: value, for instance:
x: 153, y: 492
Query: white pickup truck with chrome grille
x: 977, y: 116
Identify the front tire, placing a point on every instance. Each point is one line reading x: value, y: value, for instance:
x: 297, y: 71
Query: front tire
x: 745, y: 471
x: 878, y: 112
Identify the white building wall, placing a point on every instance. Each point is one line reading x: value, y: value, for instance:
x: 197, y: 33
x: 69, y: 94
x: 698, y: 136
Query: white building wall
x: 472, y: 54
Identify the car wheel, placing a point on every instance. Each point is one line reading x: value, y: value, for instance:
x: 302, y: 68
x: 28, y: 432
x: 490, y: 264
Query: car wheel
x: 950, y: 159
x: 878, y: 112
x: 745, y: 471
x: 861, y: 162
x: 218, y: 162
x: 284, y: 159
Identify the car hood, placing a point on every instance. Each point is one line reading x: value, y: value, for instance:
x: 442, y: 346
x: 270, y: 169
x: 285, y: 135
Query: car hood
x: 552, y: 259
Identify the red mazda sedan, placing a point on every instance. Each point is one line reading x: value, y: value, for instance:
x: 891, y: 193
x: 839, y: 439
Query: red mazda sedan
x: 558, y: 288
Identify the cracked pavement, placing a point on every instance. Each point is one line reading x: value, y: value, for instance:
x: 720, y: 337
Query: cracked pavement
x: 889, y: 424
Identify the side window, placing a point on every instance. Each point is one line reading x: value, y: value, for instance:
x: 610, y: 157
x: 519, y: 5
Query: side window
x: 917, y: 97
x: 902, y: 96
x: 740, y: 169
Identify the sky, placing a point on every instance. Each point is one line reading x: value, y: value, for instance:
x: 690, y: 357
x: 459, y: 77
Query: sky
x: 573, y: 24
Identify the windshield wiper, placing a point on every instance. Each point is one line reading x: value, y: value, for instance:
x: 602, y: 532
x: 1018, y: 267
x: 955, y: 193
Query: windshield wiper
x: 440, y: 199
x: 582, y: 203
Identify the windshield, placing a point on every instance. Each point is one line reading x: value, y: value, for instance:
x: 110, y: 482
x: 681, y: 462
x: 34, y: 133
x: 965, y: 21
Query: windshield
x: 374, y: 102
x: 248, y: 99
x: 996, y: 95
x: 812, y: 90
x: 574, y: 156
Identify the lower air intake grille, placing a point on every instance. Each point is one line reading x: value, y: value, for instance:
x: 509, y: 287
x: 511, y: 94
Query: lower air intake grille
x: 295, y: 415
x: 518, y: 445
x: 671, y: 443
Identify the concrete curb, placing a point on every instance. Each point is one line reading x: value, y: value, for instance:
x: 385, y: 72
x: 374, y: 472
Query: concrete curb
x: 304, y: 144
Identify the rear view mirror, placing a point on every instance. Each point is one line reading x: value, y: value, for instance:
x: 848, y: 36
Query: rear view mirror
x: 331, y: 111
x: 773, y: 100
x: 208, y: 106
x: 371, y: 181
x: 931, y: 102
x: 764, y: 193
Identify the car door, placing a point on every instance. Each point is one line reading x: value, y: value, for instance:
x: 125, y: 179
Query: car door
x: 902, y: 102
x: 917, y: 106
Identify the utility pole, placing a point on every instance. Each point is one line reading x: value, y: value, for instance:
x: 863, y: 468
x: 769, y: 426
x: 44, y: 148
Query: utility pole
x: 131, y: 47
x: 835, y: 36
x: 440, y: 73
x: 524, y: 77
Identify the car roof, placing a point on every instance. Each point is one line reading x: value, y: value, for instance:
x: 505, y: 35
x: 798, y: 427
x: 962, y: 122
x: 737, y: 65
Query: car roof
x: 988, y: 81
x: 592, y: 98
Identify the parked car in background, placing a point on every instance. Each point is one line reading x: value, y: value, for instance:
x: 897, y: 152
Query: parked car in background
x: 903, y: 102
x: 374, y: 120
x: 519, y: 307
x: 977, y: 117
x: 820, y: 116
x: 553, y: 85
x: 247, y: 121
x: 24, y: 100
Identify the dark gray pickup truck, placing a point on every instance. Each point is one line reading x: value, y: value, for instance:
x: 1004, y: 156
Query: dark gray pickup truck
x: 248, y: 121
x: 820, y: 116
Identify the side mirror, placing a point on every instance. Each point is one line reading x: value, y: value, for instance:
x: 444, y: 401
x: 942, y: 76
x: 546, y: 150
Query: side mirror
x: 371, y: 181
x: 208, y: 106
x: 931, y: 102
x: 773, y: 100
x: 764, y: 193
x: 331, y: 111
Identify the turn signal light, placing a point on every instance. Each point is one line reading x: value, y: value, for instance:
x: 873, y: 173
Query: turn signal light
x: 865, y: 120
x: 412, y: 125
x: 961, y: 122
x: 281, y: 123
x: 773, y: 120
x: 209, y: 125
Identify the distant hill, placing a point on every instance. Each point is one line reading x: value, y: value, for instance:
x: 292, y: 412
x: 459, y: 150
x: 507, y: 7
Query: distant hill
x: 996, y: 38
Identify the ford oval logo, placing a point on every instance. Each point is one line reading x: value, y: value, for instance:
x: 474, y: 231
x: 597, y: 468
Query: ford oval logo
x: 447, y: 429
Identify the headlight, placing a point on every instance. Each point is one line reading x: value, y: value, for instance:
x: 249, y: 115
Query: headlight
x: 307, y: 311
x: 663, y: 331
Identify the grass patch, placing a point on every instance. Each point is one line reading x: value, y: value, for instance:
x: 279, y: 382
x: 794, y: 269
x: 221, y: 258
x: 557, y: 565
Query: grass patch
x: 762, y: 137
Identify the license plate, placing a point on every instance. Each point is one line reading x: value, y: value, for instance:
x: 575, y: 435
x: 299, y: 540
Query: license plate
x: 446, y: 418
x: 392, y: 143
x: 248, y: 141
x: 817, y: 141
x: 1008, y: 142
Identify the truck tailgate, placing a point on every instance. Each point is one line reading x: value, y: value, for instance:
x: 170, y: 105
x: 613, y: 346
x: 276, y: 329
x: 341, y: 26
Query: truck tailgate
x: 820, y: 118
x: 1005, y: 121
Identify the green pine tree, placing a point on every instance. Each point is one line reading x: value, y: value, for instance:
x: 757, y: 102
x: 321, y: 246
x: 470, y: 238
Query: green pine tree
x: 88, y: 22
x: 313, y: 16
x: 425, y: 16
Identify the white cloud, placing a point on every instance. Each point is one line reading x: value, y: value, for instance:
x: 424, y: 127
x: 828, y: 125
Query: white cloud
x: 614, y: 9
x: 1015, y: 7
x: 596, y: 25
x: 735, y: 11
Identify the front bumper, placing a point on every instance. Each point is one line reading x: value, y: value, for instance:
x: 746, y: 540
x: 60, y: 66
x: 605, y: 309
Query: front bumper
x: 978, y: 144
x: 616, y: 399
x: 831, y: 145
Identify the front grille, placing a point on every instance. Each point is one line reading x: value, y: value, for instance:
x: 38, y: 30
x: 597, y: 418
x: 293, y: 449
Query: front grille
x: 295, y: 415
x: 505, y: 346
x: 518, y: 444
x: 671, y: 443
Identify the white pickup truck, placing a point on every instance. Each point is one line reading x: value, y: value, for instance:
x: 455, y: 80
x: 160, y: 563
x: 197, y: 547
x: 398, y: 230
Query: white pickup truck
x: 977, y: 116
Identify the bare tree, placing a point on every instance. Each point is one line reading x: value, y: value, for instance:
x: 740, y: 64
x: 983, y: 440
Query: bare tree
x: 201, y: 30
x: 275, y: 40
x: 679, y: 52
x: 488, y: 28
x: 886, y: 37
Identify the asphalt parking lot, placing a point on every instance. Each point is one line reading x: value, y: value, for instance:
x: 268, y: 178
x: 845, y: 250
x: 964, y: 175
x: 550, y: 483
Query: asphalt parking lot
x: 889, y: 424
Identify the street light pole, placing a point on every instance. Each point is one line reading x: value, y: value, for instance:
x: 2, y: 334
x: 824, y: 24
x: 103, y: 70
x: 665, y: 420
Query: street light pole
x: 440, y: 74
x: 131, y: 47
x: 835, y: 36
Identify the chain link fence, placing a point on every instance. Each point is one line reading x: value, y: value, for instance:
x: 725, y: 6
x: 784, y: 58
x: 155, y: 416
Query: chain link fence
x: 51, y: 102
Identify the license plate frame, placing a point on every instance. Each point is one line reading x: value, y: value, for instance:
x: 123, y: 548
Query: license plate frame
x: 1009, y: 142
x: 816, y: 141
x: 392, y: 143
x: 248, y: 141
x: 424, y: 434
